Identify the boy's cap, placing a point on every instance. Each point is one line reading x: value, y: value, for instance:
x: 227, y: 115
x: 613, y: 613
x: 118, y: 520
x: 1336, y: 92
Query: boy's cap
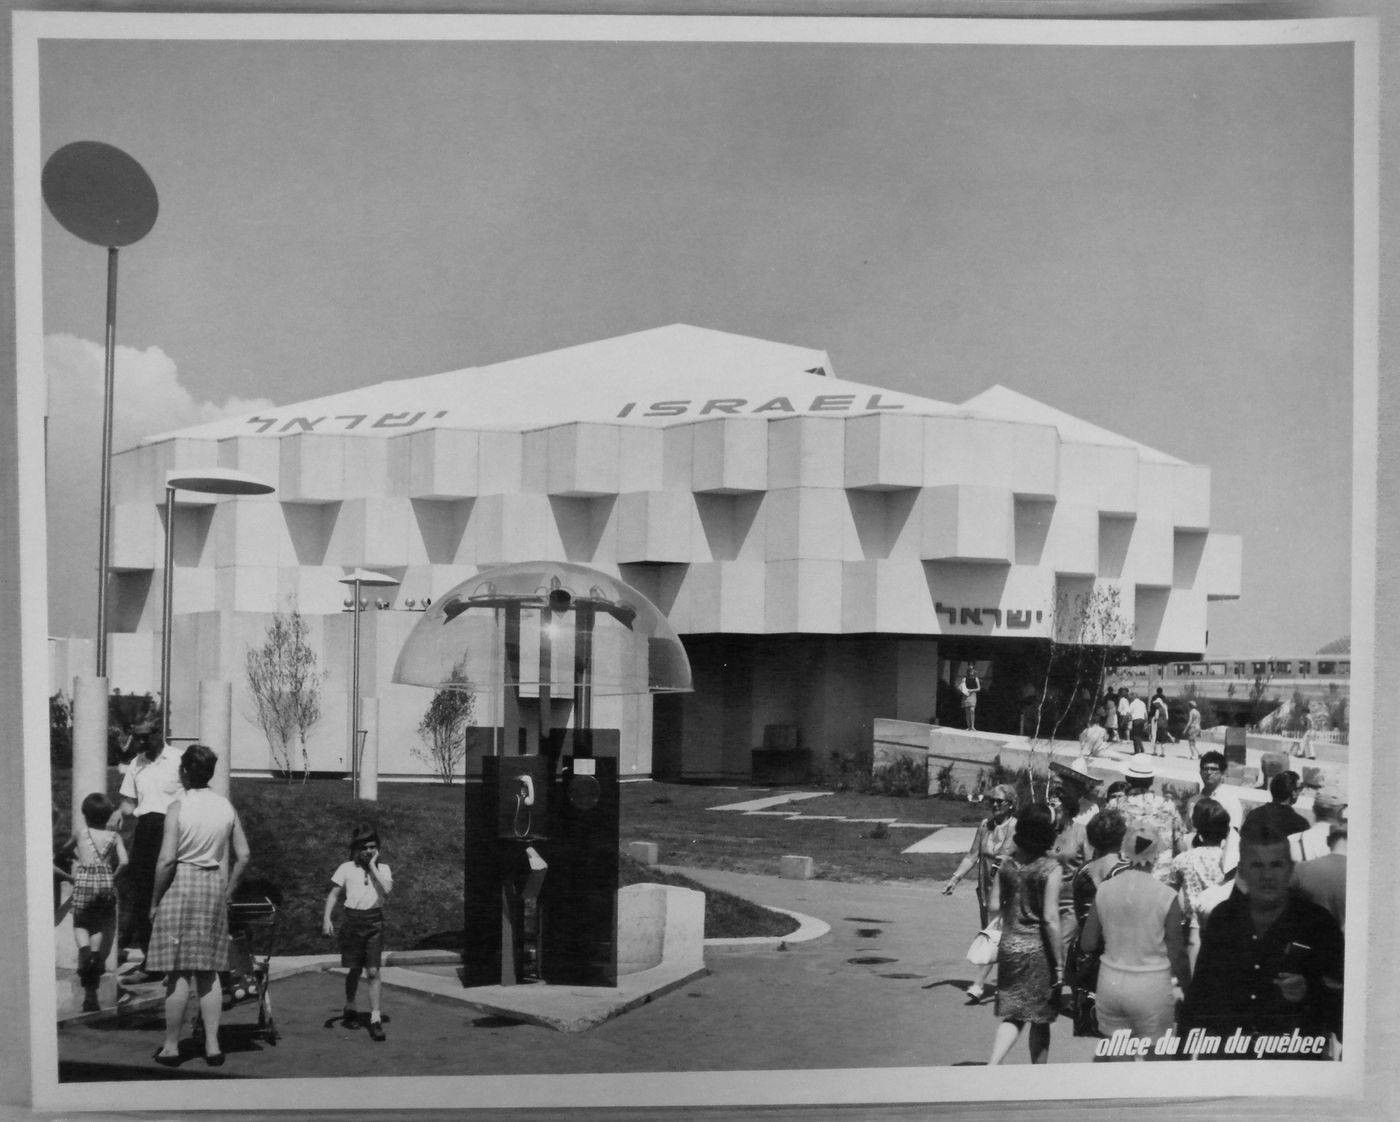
x: 362, y: 833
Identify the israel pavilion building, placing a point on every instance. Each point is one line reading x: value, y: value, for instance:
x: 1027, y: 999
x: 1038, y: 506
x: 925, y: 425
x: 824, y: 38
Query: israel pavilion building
x: 829, y: 552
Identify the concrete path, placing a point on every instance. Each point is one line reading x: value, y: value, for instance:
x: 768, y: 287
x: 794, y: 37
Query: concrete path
x: 882, y: 989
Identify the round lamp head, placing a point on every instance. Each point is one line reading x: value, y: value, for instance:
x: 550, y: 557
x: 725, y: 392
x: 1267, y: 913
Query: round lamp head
x: 217, y: 481
x: 100, y: 194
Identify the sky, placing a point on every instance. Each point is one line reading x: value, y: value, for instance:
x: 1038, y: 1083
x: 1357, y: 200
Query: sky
x: 1154, y: 239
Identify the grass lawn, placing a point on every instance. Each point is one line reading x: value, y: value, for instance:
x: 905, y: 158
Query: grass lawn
x: 682, y: 821
x: 298, y: 833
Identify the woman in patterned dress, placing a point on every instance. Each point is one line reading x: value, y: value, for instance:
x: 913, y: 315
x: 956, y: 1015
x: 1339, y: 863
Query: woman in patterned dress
x: 1030, y: 962
x: 189, y: 908
x: 1200, y: 868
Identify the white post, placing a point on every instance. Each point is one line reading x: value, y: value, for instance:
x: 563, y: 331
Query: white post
x: 216, y: 729
x: 89, y: 741
x: 369, y: 761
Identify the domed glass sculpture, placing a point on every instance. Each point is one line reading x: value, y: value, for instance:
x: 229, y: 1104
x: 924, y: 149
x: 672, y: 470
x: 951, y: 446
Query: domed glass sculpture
x: 545, y: 623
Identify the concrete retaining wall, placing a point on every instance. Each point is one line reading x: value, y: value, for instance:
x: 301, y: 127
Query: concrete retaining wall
x: 657, y: 922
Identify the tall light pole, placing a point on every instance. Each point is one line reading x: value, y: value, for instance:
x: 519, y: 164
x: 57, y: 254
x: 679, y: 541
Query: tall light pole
x: 206, y: 481
x: 100, y: 194
x: 360, y: 578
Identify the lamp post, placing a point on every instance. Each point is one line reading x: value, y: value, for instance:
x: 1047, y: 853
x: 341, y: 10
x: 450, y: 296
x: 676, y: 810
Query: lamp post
x: 207, y: 481
x: 360, y: 578
x: 100, y: 194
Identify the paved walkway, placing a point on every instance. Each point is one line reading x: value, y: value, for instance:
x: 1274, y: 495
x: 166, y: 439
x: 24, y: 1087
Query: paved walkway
x: 881, y: 989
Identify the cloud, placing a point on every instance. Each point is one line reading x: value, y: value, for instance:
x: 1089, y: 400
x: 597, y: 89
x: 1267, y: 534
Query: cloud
x: 148, y: 398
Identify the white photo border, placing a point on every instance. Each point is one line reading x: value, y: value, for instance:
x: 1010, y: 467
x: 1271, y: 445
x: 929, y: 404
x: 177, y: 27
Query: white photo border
x: 748, y: 1088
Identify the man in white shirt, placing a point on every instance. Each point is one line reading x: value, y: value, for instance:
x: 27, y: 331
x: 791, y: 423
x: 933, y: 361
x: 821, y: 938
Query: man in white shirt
x: 151, y: 784
x: 1213, y: 786
x: 1137, y: 721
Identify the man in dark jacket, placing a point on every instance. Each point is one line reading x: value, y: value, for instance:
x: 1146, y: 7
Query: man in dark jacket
x: 1270, y: 967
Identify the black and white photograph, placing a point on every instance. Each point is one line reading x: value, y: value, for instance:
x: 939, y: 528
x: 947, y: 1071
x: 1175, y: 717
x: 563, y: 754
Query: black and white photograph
x: 654, y: 561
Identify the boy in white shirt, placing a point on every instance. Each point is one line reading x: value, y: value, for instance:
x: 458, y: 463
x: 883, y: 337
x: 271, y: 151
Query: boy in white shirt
x: 363, y: 885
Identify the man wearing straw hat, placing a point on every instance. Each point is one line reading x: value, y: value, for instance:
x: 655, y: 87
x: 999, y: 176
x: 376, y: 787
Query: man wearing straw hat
x: 1142, y: 803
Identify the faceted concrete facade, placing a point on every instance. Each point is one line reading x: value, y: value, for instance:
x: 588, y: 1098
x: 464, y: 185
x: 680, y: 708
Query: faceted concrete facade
x: 787, y: 517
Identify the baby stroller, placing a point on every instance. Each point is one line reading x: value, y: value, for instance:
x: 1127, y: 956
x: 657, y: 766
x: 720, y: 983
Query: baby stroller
x: 252, y: 933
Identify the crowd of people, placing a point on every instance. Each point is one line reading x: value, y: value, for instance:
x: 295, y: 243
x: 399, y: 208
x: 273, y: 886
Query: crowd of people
x: 1215, y: 931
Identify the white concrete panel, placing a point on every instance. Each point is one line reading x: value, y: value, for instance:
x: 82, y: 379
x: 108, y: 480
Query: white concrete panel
x: 582, y: 524
x: 1221, y: 567
x: 137, y: 536
x: 731, y: 527
x: 528, y: 530
x: 304, y: 534
x: 438, y: 528
x: 951, y: 451
x: 641, y: 464
x: 729, y: 455
x: 534, y: 463
x: 1156, y: 490
x: 583, y: 459
x: 499, y: 462
x: 373, y: 533
x: 437, y: 464
x: 259, y: 457
x: 803, y: 595
x: 1170, y: 621
x: 678, y: 458
x: 245, y: 588
x: 1101, y: 476
x: 255, y: 533
x: 809, y: 522
x: 1150, y: 552
x: 313, y: 589
x: 1179, y: 493
x: 655, y: 526
x: 313, y: 468
x: 1072, y: 541
x: 133, y: 662
x: 1115, y: 543
x: 367, y: 468
x: 1035, y: 461
x: 134, y: 475
x: 991, y: 453
x: 690, y: 597
x: 991, y: 601
x: 806, y: 452
x: 742, y: 597
x: 886, y: 596
x: 967, y: 522
x: 1188, y: 551
x: 1191, y: 497
x: 884, y: 451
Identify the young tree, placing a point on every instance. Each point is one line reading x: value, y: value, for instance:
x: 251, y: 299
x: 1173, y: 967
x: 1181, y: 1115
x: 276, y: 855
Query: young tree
x: 443, y: 729
x: 1091, y: 636
x: 286, y: 689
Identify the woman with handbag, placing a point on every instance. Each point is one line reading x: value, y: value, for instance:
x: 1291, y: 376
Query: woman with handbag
x: 98, y: 857
x: 1030, y: 960
x: 990, y: 844
x: 1105, y: 834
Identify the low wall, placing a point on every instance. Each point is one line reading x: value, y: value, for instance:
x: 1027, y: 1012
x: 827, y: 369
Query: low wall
x: 958, y: 761
x: 659, y: 922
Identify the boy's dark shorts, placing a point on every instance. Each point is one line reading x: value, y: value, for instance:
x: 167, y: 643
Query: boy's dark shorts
x: 361, y: 937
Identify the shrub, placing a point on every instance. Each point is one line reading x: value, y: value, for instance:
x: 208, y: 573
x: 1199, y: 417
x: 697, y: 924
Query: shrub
x: 903, y: 776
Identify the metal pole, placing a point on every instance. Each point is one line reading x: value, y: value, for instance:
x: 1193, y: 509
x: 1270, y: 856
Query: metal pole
x: 167, y: 592
x: 104, y: 517
x: 355, y: 693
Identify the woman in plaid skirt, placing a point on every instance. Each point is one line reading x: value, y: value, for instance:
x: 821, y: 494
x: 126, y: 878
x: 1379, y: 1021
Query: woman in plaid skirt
x: 189, y: 908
